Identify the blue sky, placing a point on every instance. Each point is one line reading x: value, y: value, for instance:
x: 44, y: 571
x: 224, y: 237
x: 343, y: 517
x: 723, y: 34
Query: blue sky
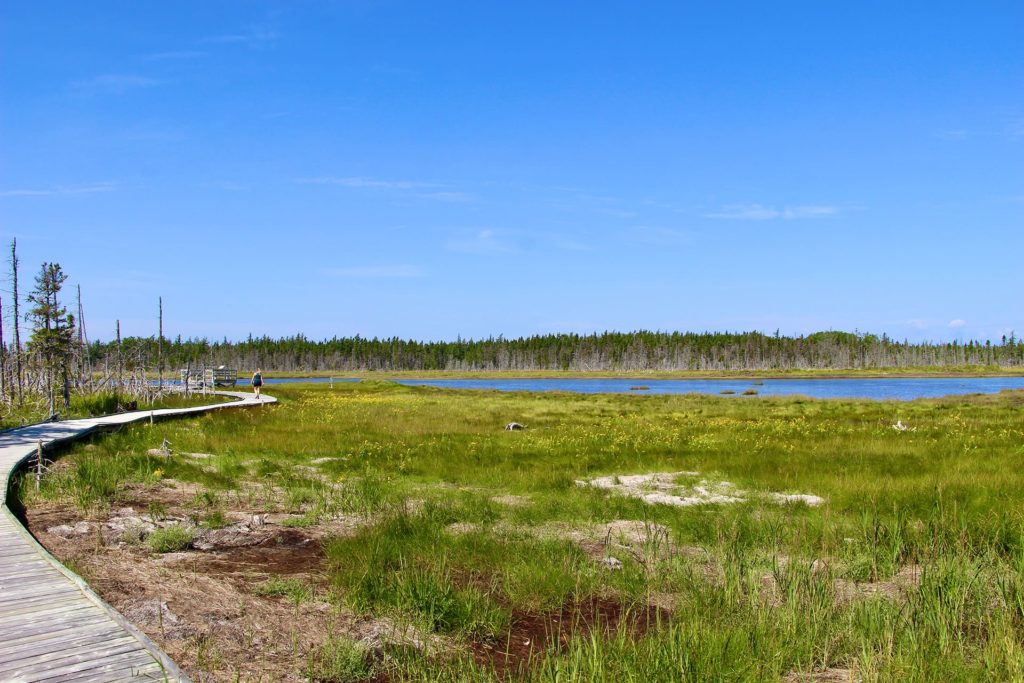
x: 437, y: 169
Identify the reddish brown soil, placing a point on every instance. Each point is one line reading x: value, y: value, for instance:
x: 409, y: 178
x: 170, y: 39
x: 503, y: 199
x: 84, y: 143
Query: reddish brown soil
x: 290, y: 552
x: 531, y: 636
x: 41, y: 518
x: 217, y: 626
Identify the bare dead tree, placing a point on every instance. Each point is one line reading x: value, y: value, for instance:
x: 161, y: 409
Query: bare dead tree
x: 84, y: 366
x: 120, y: 366
x: 17, y: 320
x: 3, y: 357
x: 159, y: 348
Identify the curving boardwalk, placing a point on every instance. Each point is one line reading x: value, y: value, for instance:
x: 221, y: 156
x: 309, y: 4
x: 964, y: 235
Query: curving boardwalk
x: 52, y: 626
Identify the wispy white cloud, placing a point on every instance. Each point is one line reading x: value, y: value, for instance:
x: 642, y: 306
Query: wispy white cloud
x: 25, y: 192
x: 399, y: 271
x: 415, y: 189
x: 371, y: 183
x: 1012, y: 128
x: 255, y: 37
x: 659, y: 236
x: 486, y: 241
x: 956, y: 324
x: 151, y: 131
x: 445, y: 196
x: 115, y: 83
x: 228, y: 185
x: 391, y: 70
x: 759, y: 212
x: 565, y: 243
x: 173, y: 55
x: 93, y: 188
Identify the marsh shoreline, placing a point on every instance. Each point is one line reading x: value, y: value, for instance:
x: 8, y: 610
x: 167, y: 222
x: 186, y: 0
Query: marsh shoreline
x: 909, y: 373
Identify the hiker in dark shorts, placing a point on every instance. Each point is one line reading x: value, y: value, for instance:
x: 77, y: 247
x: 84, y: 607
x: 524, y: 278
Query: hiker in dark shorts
x: 257, y: 381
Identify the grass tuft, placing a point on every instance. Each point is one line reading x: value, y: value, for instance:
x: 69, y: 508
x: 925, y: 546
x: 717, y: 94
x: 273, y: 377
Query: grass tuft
x: 170, y: 539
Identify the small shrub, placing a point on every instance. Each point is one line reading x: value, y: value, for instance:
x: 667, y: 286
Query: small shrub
x: 298, y: 496
x: 133, y: 534
x: 339, y: 661
x: 156, y: 511
x: 295, y: 590
x: 205, y: 499
x: 170, y: 539
x: 311, y: 518
x: 214, y: 520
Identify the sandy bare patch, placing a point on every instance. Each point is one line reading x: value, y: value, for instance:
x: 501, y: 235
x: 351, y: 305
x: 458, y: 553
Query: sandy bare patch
x: 511, y: 501
x: 830, y: 675
x: 906, y: 580
x: 157, y: 616
x: 805, y: 498
x: 198, y: 456
x: 898, y: 588
x: 665, y: 488
x: 378, y: 635
x: 609, y: 544
x: 663, y: 601
x: 168, y: 492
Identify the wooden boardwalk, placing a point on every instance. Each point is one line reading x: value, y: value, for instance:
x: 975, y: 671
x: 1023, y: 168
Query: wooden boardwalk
x: 53, y: 627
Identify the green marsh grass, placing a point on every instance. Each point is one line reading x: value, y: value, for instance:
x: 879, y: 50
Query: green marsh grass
x: 339, y: 660
x: 756, y: 590
x: 35, y: 408
x: 170, y: 539
x: 296, y: 590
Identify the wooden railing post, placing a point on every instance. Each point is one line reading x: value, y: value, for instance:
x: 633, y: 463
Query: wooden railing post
x: 39, y: 463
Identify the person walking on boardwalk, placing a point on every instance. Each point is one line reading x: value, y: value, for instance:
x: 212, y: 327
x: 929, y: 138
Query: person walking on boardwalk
x: 257, y: 381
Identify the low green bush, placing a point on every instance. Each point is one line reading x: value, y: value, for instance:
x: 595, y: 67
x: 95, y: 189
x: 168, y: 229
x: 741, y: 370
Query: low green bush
x: 170, y: 539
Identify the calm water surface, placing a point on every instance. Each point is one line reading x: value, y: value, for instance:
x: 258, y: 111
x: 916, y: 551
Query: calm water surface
x: 902, y: 388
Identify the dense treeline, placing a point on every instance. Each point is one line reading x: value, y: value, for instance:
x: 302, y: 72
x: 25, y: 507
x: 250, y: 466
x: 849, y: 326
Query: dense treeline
x: 609, y: 351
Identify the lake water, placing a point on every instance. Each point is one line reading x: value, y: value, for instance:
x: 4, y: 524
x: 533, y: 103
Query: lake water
x: 892, y: 388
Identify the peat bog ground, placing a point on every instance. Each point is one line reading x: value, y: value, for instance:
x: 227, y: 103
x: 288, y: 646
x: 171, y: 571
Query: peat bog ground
x: 371, y: 531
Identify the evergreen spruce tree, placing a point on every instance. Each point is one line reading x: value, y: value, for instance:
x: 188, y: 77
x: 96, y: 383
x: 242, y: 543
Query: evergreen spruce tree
x: 53, y: 330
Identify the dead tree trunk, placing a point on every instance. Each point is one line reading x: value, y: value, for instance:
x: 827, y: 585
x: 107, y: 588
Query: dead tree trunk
x: 117, y: 391
x: 3, y: 357
x: 159, y: 350
x: 17, y: 334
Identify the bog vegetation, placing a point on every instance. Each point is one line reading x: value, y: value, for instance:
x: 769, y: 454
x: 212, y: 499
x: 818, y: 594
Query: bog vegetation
x: 494, y: 544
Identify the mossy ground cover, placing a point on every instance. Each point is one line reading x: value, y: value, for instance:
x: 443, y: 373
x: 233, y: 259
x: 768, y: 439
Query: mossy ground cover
x: 471, y: 533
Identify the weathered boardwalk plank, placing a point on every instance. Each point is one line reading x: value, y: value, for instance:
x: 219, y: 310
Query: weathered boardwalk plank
x: 99, y: 628
x: 53, y: 627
